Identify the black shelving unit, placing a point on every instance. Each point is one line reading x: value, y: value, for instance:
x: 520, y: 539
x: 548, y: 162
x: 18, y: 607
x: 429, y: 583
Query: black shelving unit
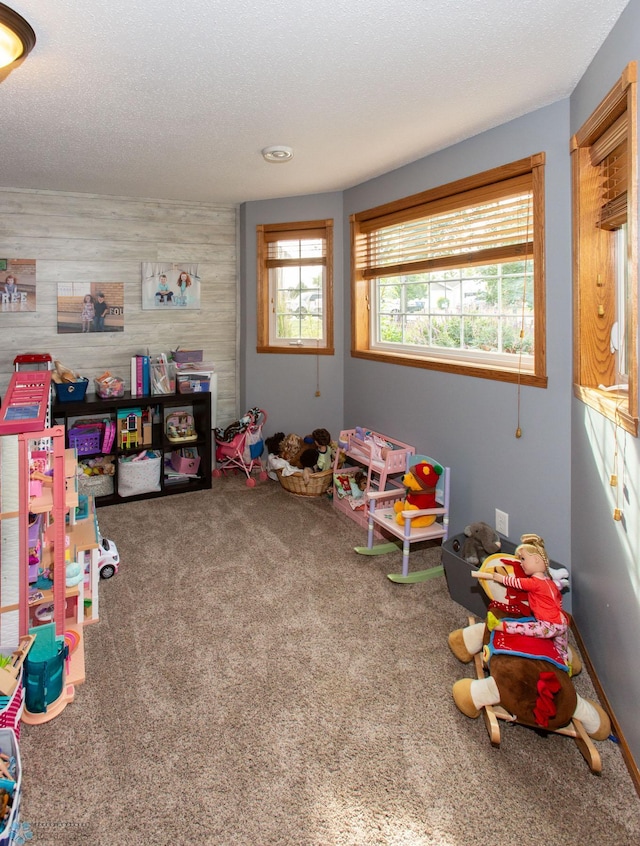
x: 196, y: 404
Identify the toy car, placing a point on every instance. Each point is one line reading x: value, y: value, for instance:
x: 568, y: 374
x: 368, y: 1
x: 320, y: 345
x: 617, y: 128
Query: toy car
x: 109, y: 560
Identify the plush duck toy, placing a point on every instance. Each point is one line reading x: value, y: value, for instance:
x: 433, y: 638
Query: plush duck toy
x: 420, y: 481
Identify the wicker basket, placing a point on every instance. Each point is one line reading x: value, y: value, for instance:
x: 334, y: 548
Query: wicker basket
x: 317, y: 485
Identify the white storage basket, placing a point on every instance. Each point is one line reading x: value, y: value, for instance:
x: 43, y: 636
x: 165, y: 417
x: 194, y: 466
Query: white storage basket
x: 140, y: 476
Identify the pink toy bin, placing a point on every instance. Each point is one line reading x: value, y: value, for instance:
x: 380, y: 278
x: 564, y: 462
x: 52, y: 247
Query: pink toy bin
x: 183, y: 464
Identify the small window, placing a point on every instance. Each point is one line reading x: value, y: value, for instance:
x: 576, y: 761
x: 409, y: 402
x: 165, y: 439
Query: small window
x: 453, y: 278
x: 603, y: 155
x: 295, y: 287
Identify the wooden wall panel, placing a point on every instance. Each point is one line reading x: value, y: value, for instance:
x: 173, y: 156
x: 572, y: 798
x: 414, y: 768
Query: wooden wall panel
x: 87, y: 238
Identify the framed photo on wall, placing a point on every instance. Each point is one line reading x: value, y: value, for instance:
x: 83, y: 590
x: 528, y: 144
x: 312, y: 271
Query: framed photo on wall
x: 170, y: 286
x: 90, y: 307
x: 17, y: 285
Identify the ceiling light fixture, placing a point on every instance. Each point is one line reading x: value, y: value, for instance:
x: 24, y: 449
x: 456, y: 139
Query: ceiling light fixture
x: 16, y: 36
x: 277, y: 153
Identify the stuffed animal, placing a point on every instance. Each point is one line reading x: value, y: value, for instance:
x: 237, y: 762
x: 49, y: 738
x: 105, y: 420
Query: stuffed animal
x: 481, y: 540
x: 294, y: 450
x: 420, y: 481
x: 273, y: 442
x: 537, y: 690
x: 100, y: 466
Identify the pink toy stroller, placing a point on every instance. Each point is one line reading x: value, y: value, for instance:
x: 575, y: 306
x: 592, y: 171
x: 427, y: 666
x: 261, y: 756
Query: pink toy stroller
x: 240, y: 446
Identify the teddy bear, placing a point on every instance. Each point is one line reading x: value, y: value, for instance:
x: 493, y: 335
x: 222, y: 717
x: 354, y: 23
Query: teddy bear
x: 481, y: 540
x: 294, y: 450
x: 527, y: 678
x: 420, y: 480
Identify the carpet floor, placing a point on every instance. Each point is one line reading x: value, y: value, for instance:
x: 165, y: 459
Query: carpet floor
x: 254, y: 682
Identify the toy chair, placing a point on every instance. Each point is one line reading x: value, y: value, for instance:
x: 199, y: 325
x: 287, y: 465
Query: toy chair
x: 382, y: 514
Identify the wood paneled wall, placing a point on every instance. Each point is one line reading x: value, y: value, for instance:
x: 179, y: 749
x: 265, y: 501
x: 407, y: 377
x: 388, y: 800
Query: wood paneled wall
x: 90, y: 238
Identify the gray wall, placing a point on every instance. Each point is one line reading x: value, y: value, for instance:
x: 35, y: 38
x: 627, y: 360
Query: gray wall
x: 554, y: 480
x: 465, y: 422
x: 606, y: 580
x: 285, y: 385
x: 470, y: 423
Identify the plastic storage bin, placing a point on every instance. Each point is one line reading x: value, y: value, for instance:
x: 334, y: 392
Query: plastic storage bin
x: 108, y: 386
x: 86, y: 439
x: 463, y: 588
x: 193, y: 383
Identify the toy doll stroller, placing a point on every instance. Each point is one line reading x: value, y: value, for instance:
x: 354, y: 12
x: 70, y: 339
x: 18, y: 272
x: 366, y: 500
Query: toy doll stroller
x: 240, y: 447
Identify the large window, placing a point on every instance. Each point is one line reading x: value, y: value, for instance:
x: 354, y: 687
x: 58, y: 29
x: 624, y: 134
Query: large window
x: 605, y: 268
x: 295, y: 287
x: 453, y: 278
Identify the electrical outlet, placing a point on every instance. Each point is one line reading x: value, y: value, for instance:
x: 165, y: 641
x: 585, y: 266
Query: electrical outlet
x: 502, y: 523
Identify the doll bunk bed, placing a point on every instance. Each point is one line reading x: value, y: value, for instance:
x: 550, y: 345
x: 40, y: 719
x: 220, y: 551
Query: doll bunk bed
x: 382, y: 460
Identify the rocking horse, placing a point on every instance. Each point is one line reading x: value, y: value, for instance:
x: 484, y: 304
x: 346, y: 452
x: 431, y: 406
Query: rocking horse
x: 521, y: 678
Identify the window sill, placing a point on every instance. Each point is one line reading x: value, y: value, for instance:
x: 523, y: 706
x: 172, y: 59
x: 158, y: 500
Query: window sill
x: 613, y: 406
x: 295, y: 350
x: 449, y: 366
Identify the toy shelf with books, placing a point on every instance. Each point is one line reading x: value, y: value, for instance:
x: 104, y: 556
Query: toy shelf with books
x: 136, y: 447
x: 366, y: 461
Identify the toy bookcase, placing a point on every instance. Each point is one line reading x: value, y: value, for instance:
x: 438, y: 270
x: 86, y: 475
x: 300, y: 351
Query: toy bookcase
x: 151, y: 434
x: 383, y: 461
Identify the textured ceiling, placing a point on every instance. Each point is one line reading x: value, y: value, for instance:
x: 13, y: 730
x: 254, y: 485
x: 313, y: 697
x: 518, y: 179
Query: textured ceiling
x: 157, y: 98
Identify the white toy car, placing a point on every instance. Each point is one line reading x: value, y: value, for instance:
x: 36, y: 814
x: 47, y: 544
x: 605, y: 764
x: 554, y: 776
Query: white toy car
x: 109, y: 560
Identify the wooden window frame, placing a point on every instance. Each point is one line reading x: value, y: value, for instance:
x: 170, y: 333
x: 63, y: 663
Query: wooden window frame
x: 594, y: 276
x: 361, y: 340
x: 267, y: 344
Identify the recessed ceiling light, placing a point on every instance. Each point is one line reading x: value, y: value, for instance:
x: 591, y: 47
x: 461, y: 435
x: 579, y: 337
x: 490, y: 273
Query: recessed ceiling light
x: 277, y: 153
